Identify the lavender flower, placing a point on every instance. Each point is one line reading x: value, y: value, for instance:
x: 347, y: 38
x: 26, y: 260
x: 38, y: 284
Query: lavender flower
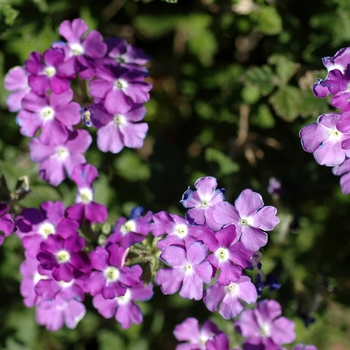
x: 265, y: 327
x: 189, y: 269
x: 201, y: 202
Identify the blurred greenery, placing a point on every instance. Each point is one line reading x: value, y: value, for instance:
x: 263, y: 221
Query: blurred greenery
x: 231, y: 89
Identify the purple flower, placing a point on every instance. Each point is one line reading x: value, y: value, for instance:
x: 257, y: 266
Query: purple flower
x: 128, y: 232
x: 265, y: 327
x: 81, y: 52
x: 195, y: 336
x: 111, y: 277
x: 250, y: 217
x: 55, y: 114
x: 123, y: 307
x: 325, y: 140
x: 85, y: 208
x: 229, y: 255
x: 228, y: 298
x: 48, y: 72
x: 189, y: 269
x: 7, y: 224
x: 34, y: 226
x: 275, y: 187
x: 58, y: 312
x: 125, y: 55
x: 119, y: 88
x: 178, y: 231
x: 16, y: 80
x: 56, y: 160
x: 116, y: 130
x: 201, y: 202
x: 343, y: 170
x: 64, y: 257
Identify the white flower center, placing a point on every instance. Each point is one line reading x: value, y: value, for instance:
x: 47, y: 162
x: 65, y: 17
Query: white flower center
x: 46, y: 229
x: 37, y: 277
x: 47, y: 113
x: 124, y: 299
x: 265, y: 330
x: 62, y: 153
x: 180, y: 230
x: 246, y: 221
x: 111, y: 274
x: 188, y: 269
x: 64, y: 284
x: 222, y: 255
x: 119, y: 120
x: 50, y: 71
x: 85, y: 195
x: 129, y: 226
x: 121, y: 84
x: 335, y: 134
x: 76, y: 49
x: 62, y: 256
x: 232, y: 289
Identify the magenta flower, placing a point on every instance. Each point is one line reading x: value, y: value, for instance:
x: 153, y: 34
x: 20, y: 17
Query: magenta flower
x: 229, y: 255
x: 34, y: 226
x: 325, y: 140
x: 119, y: 88
x: 81, y: 52
x: 123, y: 54
x: 123, y: 307
x: 250, y: 217
x: 201, y: 202
x: 59, y: 312
x: 189, y: 269
x: 228, y: 299
x: 116, y: 130
x: 7, y: 224
x: 197, y: 337
x: 48, y: 72
x: 304, y: 347
x: 57, y: 160
x: 128, y: 232
x: 64, y: 257
x: 16, y: 80
x: 111, y: 277
x: 55, y: 114
x: 265, y: 327
x: 85, y: 208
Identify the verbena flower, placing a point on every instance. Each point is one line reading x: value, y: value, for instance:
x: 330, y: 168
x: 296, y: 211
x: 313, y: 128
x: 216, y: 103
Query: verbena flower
x: 199, y: 338
x: 264, y: 326
x: 189, y: 271
x: 7, y: 224
x: 201, y: 202
x: 250, y: 217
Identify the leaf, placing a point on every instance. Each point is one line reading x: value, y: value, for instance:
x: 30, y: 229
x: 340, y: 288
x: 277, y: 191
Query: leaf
x: 269, y: 20
x: 8, y: 11
x: 285, y: 68
x: 226, y: 165
x: 263, y: 118
x: 130, y: 167
x: 262, y: 77
x: 286, y: 102
x: 155, y: 27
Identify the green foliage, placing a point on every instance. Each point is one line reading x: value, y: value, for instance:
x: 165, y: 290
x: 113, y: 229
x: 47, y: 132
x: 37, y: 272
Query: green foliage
x: 7, y: 11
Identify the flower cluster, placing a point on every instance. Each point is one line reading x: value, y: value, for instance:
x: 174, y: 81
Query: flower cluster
x: 329, y: 138
x: 41, y: 93
x: 212, y: 244
x: 57, y: 271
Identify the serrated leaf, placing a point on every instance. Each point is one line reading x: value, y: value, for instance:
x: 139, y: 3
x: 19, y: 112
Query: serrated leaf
x: 269, y: 20
x: 225, y: 163
x: 285, y: 68
x: 262, y: 77
x: 286, y: 102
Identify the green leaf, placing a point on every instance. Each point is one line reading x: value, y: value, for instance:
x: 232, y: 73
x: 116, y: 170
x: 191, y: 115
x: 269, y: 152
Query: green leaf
x: 155, y: 27
x: 263, y: 118
x: 286, y: 102
x: 285, y: 68
x: 130, y: 167
x: 8, y: 11
x: 269, y: 20
x: 262, y: 77
x: 225, y: 163
x: 250, y: 94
